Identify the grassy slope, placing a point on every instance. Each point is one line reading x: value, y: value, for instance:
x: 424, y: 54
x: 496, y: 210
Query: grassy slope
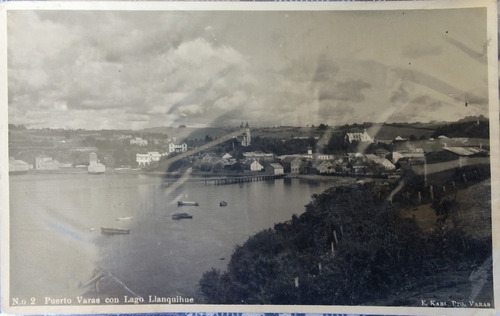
x: 474, y: 217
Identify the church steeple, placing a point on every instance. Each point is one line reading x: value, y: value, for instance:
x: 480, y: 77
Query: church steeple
x: 247, y: 137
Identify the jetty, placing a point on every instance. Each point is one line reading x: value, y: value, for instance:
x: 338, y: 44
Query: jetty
x: 233, y: 180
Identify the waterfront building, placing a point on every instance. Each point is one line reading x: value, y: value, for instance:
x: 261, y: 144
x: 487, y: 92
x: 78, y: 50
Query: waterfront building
x: 45, y: 162
x: 94, y: 165
x: 253, y: 165
x: 18, y: 166
x: 146, y: 159
x: 275, y: 168
x: 323, y: 167
x: 291, y: 164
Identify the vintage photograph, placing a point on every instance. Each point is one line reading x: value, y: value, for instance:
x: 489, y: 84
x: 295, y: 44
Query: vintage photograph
x: 258, y: 155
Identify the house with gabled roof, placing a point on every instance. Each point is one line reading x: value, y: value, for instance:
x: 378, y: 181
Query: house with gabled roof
x: 291, y: 164
x: 274, y: 169
x: 252, y: 165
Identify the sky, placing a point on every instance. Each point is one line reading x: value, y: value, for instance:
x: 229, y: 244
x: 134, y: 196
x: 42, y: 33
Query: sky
x: 141, y: 69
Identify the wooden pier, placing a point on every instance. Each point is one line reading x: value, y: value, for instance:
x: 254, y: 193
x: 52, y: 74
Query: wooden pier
x: 233, y: 180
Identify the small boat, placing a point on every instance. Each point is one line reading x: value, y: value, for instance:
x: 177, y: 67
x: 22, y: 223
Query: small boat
x: 186, y: 203
x: 181, y: 216
x: 125, y: 218
x: 223, y: 203
x: 114, y: 231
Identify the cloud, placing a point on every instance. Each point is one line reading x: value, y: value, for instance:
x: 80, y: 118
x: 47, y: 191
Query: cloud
x: 110, y: 69
x: 425, y: 100
x: 350, y: 90
x: 471, y: 98
x: 325, y: 70
x: 330, y: 110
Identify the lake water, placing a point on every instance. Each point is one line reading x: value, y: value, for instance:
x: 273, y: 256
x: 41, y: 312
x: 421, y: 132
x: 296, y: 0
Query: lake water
x: 57, y: 245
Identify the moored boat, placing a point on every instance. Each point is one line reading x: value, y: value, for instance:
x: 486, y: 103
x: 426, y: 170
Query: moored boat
x: 124, y: 218
x: 114, y: 231
x: 186, y: 203
x: 181, y: 216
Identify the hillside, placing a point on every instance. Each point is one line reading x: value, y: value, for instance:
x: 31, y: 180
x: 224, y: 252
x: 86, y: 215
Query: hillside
x: 350, y: 247
x: 382, y: 131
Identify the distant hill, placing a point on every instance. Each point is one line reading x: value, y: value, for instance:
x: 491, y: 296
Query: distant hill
x: 466, y: 127
x: 192, y: 133
x: 391, y: 131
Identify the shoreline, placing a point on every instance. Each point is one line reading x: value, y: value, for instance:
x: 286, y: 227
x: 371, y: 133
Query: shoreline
x: 199, y: 177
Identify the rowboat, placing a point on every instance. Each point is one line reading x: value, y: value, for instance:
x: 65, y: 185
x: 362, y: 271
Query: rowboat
x: 114, y: 231
x: 187, y: 203
x: 181, y: 216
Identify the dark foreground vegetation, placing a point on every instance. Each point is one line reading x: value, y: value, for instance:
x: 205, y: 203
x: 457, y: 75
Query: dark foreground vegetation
x: 352, y: 246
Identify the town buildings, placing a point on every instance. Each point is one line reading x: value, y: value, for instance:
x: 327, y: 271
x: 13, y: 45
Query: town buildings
x: 173, y: 148
x: 146, y: 159
x: 138, y: 141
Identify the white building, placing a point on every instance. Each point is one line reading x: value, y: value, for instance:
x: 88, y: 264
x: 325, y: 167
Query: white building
x: 146, y: 159
x: 410, y: 153
x: 258, y: 156
x: 359, y: 137
x: 94, y: 165
x: 18, y: 166
x: 173, y: 148
x: 138, y: 141
x: 253, y: 165
x: 46, y: 163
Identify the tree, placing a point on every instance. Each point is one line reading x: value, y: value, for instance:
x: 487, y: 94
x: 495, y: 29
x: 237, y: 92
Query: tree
x: 322, y: 127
